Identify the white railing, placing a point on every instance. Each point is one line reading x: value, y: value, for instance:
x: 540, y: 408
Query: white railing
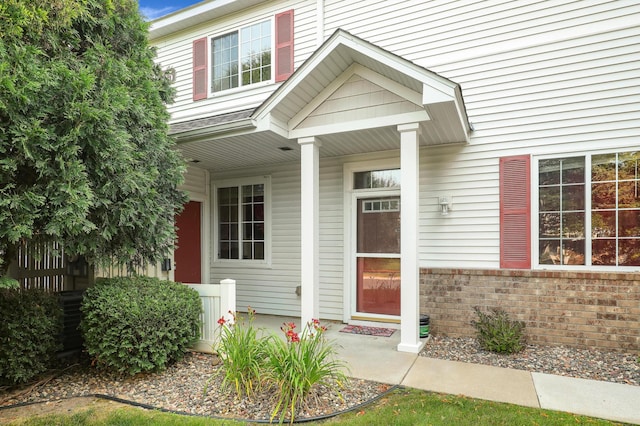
x: 218, y: 300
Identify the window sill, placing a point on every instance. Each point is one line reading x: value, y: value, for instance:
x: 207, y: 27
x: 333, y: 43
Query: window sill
x: 584, y: 268
x: 244, y: 264
x: 244, y: 90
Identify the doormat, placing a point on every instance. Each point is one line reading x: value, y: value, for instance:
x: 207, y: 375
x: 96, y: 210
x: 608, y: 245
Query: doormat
x: 369, y: 331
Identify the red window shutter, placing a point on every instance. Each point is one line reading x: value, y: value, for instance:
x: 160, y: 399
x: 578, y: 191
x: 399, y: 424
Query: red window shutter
x: 200, y: 69
x: 515, y: 212
x: 284, y: 45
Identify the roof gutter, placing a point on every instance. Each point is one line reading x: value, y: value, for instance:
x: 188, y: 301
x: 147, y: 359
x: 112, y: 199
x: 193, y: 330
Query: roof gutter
x: 245, y: 125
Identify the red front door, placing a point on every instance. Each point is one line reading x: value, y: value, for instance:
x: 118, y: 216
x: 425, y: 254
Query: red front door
x: 187, y: 256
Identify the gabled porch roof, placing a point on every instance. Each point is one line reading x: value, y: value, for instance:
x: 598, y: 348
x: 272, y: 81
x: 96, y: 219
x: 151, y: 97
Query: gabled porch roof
x: 381, y: 89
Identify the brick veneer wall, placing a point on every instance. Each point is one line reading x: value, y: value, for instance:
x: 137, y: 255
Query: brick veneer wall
x: 579, y: 309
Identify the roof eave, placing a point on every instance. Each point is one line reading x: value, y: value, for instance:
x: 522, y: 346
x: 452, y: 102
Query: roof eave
x: 232, y: 127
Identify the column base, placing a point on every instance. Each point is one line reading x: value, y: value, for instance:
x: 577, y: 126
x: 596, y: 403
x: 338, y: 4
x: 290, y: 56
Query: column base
x: 413, y: 348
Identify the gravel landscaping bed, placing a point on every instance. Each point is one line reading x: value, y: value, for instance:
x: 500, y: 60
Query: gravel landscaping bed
x: 582, y: 363
x: 181, y: 388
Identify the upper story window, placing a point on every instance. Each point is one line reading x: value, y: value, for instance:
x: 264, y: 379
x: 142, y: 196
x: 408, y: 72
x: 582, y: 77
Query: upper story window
x: 589, y: 210
x: 241, y: 57
x: 258, y: 52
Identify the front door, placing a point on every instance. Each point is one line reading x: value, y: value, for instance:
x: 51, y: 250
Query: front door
x: 188, y: 254
x: 377, y: 255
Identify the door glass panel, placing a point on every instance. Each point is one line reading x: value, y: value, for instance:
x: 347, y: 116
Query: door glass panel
x: 377, y: 179
x: 379, y: 225
x: 378, y: 286
x: 378, y: 233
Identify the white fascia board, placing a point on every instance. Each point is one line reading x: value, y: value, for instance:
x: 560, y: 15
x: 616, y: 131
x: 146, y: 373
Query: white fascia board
x: 398, y: 63
x: 390, y: 85
x: 436, y: 95
x: 464, y: 122
x: 183, y: 18
x: 298, y: 76
x: 247, y: 125
x: 354, y: 125
x: 272, y: 124
x: 195, y: 15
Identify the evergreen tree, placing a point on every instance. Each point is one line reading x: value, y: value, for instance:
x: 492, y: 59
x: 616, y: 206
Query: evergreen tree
x: 85, y: 156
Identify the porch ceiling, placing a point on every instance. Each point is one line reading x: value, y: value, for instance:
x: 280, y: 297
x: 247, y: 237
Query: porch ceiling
x: 263, y: 148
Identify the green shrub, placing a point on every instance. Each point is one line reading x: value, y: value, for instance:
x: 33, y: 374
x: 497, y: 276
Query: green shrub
x: 29, y: 330
x: 242, y: 353
x: 139, y: 324
x: 497, y: 332
x: 6, y: 282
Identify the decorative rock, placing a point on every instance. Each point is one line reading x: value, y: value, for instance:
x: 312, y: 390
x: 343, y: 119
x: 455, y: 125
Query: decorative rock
x: 582, y: 363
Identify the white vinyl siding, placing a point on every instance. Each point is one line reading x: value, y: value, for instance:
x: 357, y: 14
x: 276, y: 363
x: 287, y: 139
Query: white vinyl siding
x: 357, y: 99
x: 544, y: 78
x: 175, y: 51
x: 195, y: 180
x: 271, y: 290
x: 553, y: 78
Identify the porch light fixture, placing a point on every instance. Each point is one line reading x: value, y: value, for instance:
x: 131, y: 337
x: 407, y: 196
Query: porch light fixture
x: 444, y: 204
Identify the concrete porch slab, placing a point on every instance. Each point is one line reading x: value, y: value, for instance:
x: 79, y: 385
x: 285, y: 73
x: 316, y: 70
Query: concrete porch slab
x: 473, y: 380
x: 373, y: 358
x: 368, y: 357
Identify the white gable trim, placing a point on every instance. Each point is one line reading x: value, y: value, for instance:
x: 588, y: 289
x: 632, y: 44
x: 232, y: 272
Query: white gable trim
x: 436, y: 89
x: 368, y: 123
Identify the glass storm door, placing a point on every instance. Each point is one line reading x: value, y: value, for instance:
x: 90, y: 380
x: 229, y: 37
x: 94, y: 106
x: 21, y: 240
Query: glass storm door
x: 378, y: 255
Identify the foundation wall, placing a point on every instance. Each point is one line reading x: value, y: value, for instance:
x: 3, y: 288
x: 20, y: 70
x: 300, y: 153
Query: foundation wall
x: 577, y: 309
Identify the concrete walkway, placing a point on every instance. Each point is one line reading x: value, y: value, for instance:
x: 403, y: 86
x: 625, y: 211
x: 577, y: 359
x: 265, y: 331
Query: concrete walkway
x: 377, y: 359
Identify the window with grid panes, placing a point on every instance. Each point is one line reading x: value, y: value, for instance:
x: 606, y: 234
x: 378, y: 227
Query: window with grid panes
x: 241, y: 222
x: 242, y: 57
x: 589, y: 210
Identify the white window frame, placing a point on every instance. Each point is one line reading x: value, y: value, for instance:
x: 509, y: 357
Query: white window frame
x: 257, y: 263
x: 535, y: 212
x: 241, y: 87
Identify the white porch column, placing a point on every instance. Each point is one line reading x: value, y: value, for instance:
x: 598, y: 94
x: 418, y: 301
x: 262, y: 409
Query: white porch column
x: 409, y: 272
x: 310, y: 228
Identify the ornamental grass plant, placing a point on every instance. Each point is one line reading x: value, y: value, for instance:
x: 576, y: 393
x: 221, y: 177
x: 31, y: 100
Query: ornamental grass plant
x: 298, y: 364
x: 286, y: 368
x: 242, y: 353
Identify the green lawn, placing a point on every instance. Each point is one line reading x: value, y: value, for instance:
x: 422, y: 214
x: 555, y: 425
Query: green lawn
x: 400, y: 407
